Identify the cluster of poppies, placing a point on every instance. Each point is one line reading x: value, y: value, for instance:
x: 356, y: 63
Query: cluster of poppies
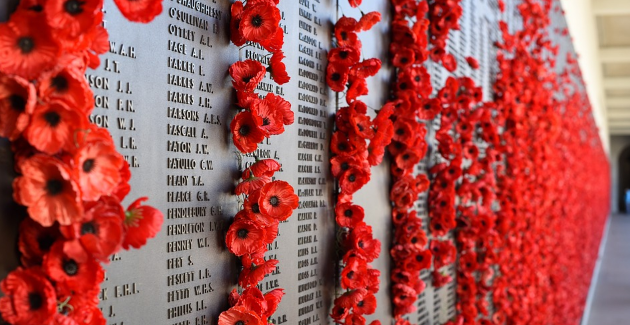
x: 444, y: 16
x: 357, y: 144
x: 257, y: 22
x: 411, y: 104
x: 554, y: 188
x: 267, y: 202
x: 71, y: 178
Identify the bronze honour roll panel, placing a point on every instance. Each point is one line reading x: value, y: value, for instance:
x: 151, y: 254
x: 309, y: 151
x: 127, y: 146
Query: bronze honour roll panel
x: 164, y: 93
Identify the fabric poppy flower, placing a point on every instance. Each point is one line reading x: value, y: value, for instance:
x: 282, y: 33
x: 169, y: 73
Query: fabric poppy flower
x: 336, y: 76
x: 244, y: 237
x: 259, y: 21
x: 262, y: 167
x: 348, y: 214
x: 47, y: 188
x: 140, y: 11
x: 99, y: 234
x: 363, y: 244
x: 71, y: 18
x: 97, y: 165
x: 353, y: 179
x: 472, y: 62
x: 354, y: 274
x: 66, y: 270
x: 253, y: 274
x: 246, y: 131
x: 236, y: 12
x: 141, y: 223
x: 356, y: 87
x: 29, y: 298
x: 278, y: 200
x: 53, y: 127
x: 354, y: 319
x: 68, y: 84
x: 277, y: 69
x: 239, y: 315
x: 273, y: 299
x: 246, y: 75
x: 35, y: 241
x: 17, y: 102
x: 344, y: 56
x: 368, y: 20
x: 26, y: 46
x: 272, y: 118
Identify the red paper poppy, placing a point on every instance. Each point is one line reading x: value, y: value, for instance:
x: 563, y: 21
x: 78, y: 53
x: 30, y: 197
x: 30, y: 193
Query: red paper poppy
x: 236, y: 13
x: 368, y: 20
x: 252, y: 274
x: 272, y: 119
x: 353, y: 179
x: 17, y: 101
x: 67, y: 84
x: 363, y: 244
x: 49, y: 191
x: 99, y: 234
x: 344, y: 56
x: 239, y: 315
x: 72, y: 17
x: 278, y: 200
x: 337, y: 76
x: 244, y: 237
x: 472, y: 62
x: 141, y: 223
x: 262, y: 167
x: 141, y: 11
x: 259, y: 21
x: 29, y: 298
x: 35, y: 241
x: 273, y: 299
x: 247, y: 132
x: 97, y: 166
x: 54, y: 127
x: 246, y: 75
x: 348, y: 214
x: 26, y: 46
x: 354, y: 274
x: 67, y: 271
x: 277, y: 69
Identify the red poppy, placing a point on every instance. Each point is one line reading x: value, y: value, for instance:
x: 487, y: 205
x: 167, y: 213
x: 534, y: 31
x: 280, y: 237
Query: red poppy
x: 344, y: 56
x: 29, y: 298
x: 17, y: 101
x: 251, y: 184
x: 272, y: 119
x: 259, y: 21
x: 278, y: 200
x: 141, y: 11
x: 356, y: 87
x: 353, y: 179
x: 236, y: 13
x: 336, y: 76
x: 366, y: 68
x: 49, y: 191
x: 277, y: 69
x: 246, y: 75
x: 99, y: 234
x: 363, y: 244
x: 26, y: 46
x: 239, y: 315
x: 54, y: 127
x: 404, y: 58
x: 354, y: 274
x: 273, y: 299
x: 68, y: 84
x: 354, y: 319
x: 35, y: 241
x: 244, y: 237
x: 262, y: 167
x: 253, y: 274
x: 472, y: 62
x: 348, y: 214
x: 368, y: 20
x: 68, y: 271
x: 72, y: 17
x: 247, y: 132
x: 355, y: 3
x: 97, y: 165
x: 141, y: 223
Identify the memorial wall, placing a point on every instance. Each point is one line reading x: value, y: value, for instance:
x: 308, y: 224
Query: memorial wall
x: 164, y: 93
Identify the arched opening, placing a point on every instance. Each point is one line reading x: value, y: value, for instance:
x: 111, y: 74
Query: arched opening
x: 624, y: 178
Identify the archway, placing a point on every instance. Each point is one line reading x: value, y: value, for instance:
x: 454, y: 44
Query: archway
x: 623, y: 178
